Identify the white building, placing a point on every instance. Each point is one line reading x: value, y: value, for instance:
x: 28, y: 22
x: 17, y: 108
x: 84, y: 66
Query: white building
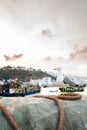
x: 46, y: 81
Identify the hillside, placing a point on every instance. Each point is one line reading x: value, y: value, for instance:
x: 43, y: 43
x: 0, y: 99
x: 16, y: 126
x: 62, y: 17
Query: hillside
x: 22, y: 73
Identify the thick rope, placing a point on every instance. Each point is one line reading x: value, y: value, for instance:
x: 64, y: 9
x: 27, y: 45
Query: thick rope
x: 9, y: 117
x: 70, y: 96
x: 60, y: 107
x: 66, y: 96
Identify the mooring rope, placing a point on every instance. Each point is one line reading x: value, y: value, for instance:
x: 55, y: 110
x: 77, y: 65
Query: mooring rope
x: 60, y: 107
x: 66, y: 96
x: 70, y: 96
x: 9, y: 117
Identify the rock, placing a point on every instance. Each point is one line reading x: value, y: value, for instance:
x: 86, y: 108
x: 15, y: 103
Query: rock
x: 67, y: 80
x: 75, y: 81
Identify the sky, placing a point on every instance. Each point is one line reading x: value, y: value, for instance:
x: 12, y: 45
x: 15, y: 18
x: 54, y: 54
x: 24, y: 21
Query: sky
x: 44, y: 34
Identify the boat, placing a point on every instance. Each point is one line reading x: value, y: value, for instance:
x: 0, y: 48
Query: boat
x: 16, y: 89
x: 71, y: 89
x: 19, y: 94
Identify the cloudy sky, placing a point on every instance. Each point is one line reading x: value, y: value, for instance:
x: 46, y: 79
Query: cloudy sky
x: 44, y: 34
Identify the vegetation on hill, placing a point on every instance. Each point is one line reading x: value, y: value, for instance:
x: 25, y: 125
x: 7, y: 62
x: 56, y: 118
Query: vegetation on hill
x: 8, y: 72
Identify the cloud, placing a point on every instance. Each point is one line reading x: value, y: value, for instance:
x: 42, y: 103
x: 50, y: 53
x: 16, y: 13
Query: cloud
x: 14, y: 57
x: 47, y: 33
x: 71, y: 65
x: 52, y: 59
x: 51, y: 62
x: 26, y: 14
x: 66, y: 19
x: 79, y: 54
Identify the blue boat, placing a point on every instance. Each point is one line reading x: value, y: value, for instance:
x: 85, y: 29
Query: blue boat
x: 19, y: 94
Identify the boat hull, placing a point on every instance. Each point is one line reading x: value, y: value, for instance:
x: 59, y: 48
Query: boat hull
x: 19, y: 94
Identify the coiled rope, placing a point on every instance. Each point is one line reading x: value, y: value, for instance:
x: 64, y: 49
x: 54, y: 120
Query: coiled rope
x: 66, y: 96
x: 70, y: 96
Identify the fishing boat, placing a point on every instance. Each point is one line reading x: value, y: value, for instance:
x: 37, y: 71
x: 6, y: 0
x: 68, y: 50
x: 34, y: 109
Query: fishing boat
x: 71, y: 89
x: 16, y: 89
x: 19, y: 94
